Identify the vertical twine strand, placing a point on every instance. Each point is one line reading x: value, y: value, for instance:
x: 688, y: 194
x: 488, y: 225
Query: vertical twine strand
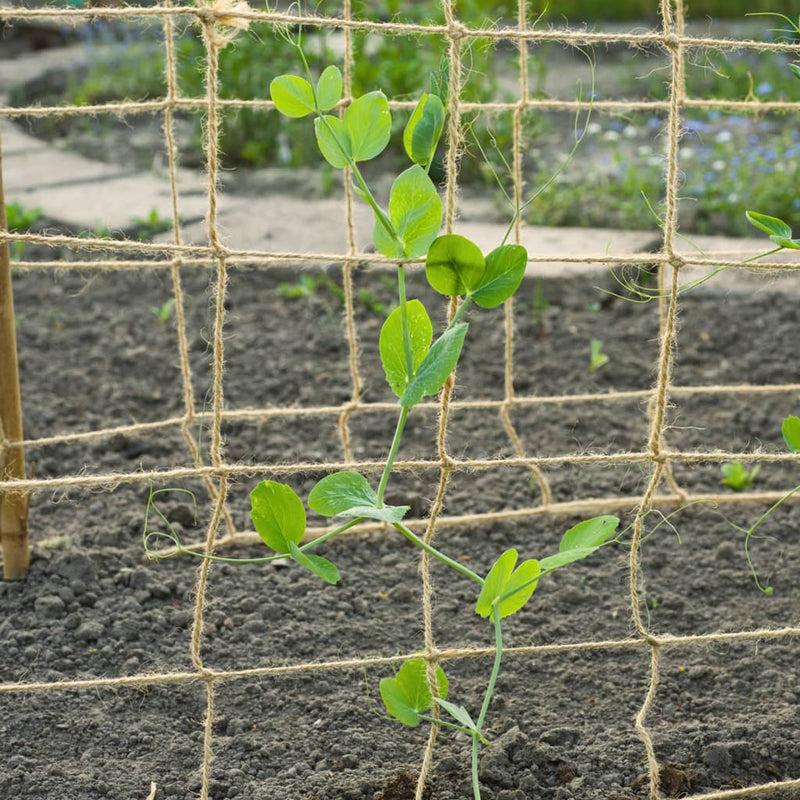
x: 347, y: 269
x: 508, y: 306
x: 177, y: 289
x: 672, y: 29
x: 454, y: 134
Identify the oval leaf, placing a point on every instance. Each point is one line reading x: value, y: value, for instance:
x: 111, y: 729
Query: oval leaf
x: 590, y: 533
x: 333, y: 141
x: 795, y: 68
x: 292, y: 95
x: 454, y: 265
x: 415, y: 212
x: 321, y: 567
x: 791, y: 433
x: 408, y: 695
x: 505, y: 269
x: 368, y: 122
x: 339, y: 492
x: 495, y: 582
x: 519, y: 588
x: 278, y: 515
x: 424, y: 130
x: 567, y: 557
x: 391, y: 345
x: 329, y: 88
x: 440, y: 361
x: 770, y: 225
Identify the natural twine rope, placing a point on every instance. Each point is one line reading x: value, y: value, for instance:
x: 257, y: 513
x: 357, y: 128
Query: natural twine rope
x: 217, y: 258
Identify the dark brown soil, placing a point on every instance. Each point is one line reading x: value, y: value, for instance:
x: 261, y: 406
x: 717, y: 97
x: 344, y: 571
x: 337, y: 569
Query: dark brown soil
x: 93, y: 354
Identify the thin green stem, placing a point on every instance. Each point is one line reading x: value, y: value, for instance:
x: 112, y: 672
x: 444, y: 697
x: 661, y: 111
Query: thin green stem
x: 752, y: 530
x: 181, y: 550
x: 445, y: 724
x: 423, y: 545
x: 467, y: 302
x: 398, y: 435
x: 487, y: 699
x: 498, y: 656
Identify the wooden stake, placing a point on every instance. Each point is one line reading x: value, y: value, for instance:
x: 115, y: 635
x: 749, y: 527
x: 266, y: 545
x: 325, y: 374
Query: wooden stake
x: 13, y: 505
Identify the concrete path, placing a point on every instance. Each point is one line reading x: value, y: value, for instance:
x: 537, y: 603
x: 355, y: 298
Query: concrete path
x: 90, y: 195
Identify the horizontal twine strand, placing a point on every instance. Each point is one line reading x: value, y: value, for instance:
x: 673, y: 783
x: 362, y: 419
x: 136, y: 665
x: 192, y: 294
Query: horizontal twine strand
x: 354, y: 408
x: 114, y: 479
x: 209, y: 674
x: 456, y: 30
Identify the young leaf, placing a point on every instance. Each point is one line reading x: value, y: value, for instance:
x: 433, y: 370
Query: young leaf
x: 368, y: 122
x: 581, y: 541
x: 415, y: 211
x: 388, y: 514
x: 333, y: 140
x: 454, y: 265
x: 329, y: 88
x: 408, y: 695
x: 771, y: 225
x: 505, y: 269
x: 292, y: 95
x: 320, y: 566
x: 504, y: 580
x: 458, y: 713
x: 795, y: 68
x: 348, y: 494
x: 391, y: 344
x: 790, y: 244
x: 436, y: 366
x: 589, y: 533
x: 424, y: 130
x: 278, y: 515
x: 339, y: 492
x: 791, y: 433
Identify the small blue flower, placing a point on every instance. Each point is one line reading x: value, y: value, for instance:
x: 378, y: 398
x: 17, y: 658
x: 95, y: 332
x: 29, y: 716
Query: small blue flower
x: 765, y: 87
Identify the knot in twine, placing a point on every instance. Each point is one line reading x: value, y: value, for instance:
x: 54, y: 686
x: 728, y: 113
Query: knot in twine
x: 671, y: 41
x: 221, y: 18
x: 457, y: 30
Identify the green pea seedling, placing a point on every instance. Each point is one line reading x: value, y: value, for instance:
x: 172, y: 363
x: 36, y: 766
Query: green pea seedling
x: 417, y: 364
x: 737, y: 477
x: 597, y: 358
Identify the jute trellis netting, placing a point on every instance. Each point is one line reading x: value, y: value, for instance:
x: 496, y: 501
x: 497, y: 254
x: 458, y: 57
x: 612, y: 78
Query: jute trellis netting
x: 219, y: 23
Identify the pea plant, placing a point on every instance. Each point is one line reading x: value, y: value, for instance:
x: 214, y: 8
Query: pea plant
x: 417, y: 365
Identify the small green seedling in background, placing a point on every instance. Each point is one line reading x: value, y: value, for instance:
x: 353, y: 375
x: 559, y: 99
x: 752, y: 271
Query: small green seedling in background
x: 737, y: 477
x: 164, y: 311
x: 597, y: 358
x: 147, y: 228
x: 417, y: 361
x: 20, y: 219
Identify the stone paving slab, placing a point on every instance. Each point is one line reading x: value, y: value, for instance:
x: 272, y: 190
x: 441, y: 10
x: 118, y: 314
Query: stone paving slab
x: 88, y: 195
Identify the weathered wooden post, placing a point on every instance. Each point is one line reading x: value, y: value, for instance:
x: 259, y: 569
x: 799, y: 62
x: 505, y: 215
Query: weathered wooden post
x: 13, y: 505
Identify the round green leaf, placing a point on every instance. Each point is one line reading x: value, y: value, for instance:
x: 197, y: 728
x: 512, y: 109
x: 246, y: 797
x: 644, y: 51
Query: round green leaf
x: 454, y: 265
x: 505, y: 269
x: 415, y: 212
x: 495, y: 582
x: 292, y: 95
x: 791, y: 433
x: 278, y: 515
x: 329, y: 88
x: 408, y: 694
x: 368, y: 122
x: 333, y: 141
